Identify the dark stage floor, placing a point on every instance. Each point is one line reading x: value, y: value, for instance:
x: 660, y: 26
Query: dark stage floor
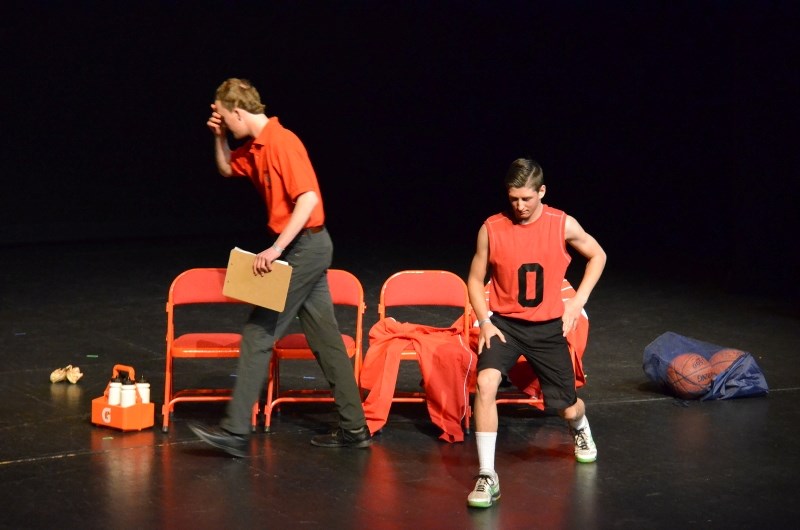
x: 663, y: 463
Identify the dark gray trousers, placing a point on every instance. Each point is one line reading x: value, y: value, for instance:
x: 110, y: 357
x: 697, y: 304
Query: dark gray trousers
x: 309, y: 299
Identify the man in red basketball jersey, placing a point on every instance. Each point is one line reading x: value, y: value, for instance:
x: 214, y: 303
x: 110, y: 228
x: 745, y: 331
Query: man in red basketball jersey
x: 525, y: 254
x: 277, y: 163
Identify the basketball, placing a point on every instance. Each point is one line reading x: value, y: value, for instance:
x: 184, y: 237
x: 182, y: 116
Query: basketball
x: 722, y: 360
x: 689, y: 375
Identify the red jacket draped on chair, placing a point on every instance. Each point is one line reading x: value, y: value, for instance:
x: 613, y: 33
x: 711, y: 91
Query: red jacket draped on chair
x: 448, y: 369
x: 446, y: 364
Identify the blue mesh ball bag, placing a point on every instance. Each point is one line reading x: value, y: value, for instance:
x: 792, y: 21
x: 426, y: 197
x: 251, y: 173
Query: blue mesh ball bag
x: 741, y: 379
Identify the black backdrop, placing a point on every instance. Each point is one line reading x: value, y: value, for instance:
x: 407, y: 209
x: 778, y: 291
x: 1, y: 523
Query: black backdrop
x: 666, y: 128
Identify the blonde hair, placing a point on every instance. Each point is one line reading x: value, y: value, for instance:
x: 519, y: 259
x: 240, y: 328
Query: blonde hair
x: 239, y: 93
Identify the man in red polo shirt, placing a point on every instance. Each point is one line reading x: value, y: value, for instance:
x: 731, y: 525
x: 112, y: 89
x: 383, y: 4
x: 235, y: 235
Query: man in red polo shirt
x: 277, y: 163
x: 524, y: 252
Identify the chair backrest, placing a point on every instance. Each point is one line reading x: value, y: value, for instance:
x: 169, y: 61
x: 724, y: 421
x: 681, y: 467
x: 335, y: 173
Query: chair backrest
x: 195, y: 286
x: 425, y: 287
x: 198, y: 286
x: 345, y: 288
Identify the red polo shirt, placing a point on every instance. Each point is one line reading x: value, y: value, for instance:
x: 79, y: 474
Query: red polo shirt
x: 277, y: 163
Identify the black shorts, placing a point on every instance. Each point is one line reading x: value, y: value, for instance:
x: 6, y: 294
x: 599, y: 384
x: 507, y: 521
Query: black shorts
x: 545, y: 348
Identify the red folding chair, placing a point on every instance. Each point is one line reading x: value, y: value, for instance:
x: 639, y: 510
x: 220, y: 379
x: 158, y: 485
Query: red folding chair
x: 197, y: 287
x: 346, y: 292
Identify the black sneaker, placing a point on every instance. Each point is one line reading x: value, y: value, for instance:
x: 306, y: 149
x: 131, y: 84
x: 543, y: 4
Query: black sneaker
x: 233, y: 444
x: 344, y: 438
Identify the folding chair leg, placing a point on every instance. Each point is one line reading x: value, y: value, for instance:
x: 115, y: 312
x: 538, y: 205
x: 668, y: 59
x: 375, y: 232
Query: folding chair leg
x: 254, y: 418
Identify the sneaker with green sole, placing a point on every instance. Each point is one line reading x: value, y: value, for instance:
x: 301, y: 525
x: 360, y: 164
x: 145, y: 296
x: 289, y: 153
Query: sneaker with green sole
x: 585, y: 449
x: 487, y: 490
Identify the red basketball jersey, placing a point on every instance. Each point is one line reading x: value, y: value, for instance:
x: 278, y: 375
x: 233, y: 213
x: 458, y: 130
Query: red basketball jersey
x: 528, y: 263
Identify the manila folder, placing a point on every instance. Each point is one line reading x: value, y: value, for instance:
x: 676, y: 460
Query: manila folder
x: 267, y: 291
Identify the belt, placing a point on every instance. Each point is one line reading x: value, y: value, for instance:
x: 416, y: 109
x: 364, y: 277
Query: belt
x: 312, y: 230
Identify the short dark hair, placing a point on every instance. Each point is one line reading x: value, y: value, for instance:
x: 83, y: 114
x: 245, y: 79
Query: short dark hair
x: 524, y: 172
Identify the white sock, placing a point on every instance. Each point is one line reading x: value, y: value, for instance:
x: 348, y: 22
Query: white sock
x: 580, y: 423
x: 486, y: 442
